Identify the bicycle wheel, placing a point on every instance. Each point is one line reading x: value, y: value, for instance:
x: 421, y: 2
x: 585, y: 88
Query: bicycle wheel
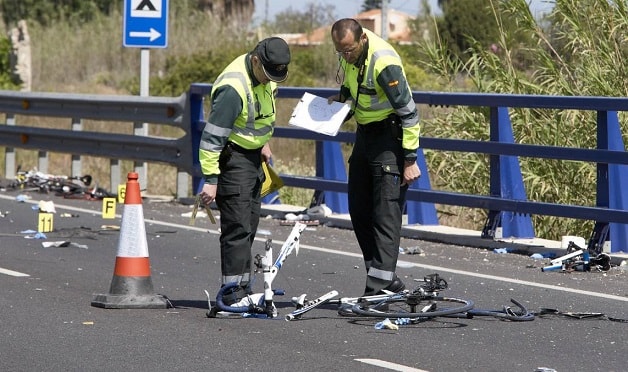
x: 412, y: 307
x: 520, y: 314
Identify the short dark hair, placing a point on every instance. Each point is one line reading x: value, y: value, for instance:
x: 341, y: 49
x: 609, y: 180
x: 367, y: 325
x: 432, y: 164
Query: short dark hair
x: 342, y: 26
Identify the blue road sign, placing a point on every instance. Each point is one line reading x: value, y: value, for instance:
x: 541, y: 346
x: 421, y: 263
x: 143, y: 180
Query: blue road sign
x: 145, y: 23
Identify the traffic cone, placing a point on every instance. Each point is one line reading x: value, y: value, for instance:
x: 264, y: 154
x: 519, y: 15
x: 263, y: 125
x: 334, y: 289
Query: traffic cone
x: 131, y: 286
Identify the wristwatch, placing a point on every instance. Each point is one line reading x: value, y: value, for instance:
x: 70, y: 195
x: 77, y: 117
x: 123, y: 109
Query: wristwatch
x: 409, y: 161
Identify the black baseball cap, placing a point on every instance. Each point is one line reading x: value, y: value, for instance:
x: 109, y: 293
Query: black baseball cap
x: 274, y: 54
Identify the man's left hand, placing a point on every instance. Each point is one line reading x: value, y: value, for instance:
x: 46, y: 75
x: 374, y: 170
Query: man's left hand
x: 266, y: 153
x: 411, y: 173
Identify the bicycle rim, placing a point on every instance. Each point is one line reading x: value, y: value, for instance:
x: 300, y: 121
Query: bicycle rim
x: 402, y: 308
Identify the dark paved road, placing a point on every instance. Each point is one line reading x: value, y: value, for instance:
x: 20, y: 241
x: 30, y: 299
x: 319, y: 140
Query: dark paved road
x: 48, y: 323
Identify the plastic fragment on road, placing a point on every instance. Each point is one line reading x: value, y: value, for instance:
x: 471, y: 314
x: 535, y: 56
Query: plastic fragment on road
x: 47, y: 206
x: 63, y: 244
x: 22, y: 198
x: 402, y: 321
x: 38, y: 235
x: 386, y: 324
x: 57, y: 244
x: 411, y: 251
x: 501, y: 250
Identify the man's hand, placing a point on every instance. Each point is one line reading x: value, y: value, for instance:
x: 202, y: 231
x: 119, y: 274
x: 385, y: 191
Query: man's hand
x: 208, y: 194
x: 334, y: 98
x: 266, y: 153
x: 411, y: 173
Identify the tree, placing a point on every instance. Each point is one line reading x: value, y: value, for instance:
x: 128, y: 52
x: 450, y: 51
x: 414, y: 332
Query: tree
x: 293, y: 21
x: 464, y: 20
x: 46, y: 12
x: 371, y: 4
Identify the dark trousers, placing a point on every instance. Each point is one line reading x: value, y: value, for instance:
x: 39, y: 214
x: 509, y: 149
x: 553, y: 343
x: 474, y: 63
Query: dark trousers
x: 238, y: 198
x: 376, y: 199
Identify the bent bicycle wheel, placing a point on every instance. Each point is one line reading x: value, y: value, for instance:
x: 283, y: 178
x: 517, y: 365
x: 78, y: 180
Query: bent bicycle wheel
x: 412, y: 307
x: 519, y: 314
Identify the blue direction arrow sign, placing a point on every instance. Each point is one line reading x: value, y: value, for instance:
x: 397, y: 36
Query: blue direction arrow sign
x: 145, y: 23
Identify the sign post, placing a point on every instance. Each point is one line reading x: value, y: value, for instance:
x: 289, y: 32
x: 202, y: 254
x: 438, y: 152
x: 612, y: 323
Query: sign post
x: 145, y: 26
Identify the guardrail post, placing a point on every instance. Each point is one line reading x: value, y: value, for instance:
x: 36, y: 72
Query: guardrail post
x: 506, y: 182
x: 197, y: 124
x: 330, y: 165
x: 114, y: 174
x: 513, y: 224
x: 9, y: 153
x: 42, y: 161
x: 77, y: 125
x: 612, y: 180
x: 421, y: 212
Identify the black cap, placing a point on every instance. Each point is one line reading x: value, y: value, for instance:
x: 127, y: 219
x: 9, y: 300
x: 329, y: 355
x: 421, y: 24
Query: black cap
x: 274, y: 54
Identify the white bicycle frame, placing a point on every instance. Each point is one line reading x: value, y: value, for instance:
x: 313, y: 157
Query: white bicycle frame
x: 270, y: 268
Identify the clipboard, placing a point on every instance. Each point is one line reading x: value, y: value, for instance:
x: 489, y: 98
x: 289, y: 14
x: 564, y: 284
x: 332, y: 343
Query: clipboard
x: 316, y: 114
x: 272, y: 182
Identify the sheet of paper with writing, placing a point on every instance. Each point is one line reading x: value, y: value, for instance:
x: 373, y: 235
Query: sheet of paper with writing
x: 315, y: 114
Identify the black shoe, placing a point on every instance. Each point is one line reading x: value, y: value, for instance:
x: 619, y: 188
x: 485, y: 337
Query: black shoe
x: 395, y: 286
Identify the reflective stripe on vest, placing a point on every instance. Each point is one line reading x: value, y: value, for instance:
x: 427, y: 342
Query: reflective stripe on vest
x: 249, y: 97
x: 372, y: 105
x: 245, y: 129
x: 370, y: 81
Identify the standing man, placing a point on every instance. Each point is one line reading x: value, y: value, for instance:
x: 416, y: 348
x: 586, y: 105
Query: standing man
x: 232, y: 147
x: 383, y: 161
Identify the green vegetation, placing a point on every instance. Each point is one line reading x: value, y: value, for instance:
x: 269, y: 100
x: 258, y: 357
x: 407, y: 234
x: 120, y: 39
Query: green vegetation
x: 7, y: 80
x: 578, y: 49
x: 581, y: 54
x: 49, y: 12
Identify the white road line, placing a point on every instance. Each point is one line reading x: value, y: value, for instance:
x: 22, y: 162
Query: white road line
x: 404, y: 263
x: 389, y: 365
x: 11, y: 272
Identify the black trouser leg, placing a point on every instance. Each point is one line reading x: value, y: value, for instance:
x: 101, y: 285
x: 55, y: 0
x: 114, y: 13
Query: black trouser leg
x: 376, y: 201
x: 238, y: 199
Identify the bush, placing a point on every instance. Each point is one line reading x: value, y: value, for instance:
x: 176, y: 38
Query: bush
x: 7, y: 80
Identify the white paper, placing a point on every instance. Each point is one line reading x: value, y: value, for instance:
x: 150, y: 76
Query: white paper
x: 315, y: 114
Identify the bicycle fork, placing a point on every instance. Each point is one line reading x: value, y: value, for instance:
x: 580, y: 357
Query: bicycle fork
x: 270, y: 271
x: 270, y: 268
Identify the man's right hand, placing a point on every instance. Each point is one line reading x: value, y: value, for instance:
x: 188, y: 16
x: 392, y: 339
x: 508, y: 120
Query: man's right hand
x: 334, y: 98
x: 208, y: 194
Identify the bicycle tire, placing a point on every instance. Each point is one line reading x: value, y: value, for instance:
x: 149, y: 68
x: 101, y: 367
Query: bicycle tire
x: 400, y: 307
x: 232, y: 309
x: 516, y: 315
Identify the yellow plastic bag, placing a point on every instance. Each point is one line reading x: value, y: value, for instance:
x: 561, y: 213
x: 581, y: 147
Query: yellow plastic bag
x: 272, y: 183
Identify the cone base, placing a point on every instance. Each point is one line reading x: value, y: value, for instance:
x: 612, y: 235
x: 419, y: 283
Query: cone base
x: 112, y: 301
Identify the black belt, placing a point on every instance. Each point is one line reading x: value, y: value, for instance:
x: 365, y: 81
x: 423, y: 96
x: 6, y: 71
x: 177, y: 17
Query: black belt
x: 242, y: 150
x: 377, y: 126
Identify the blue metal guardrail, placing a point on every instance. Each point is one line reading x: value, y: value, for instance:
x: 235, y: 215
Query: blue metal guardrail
x: 114, y: 110
x: 507, y: 204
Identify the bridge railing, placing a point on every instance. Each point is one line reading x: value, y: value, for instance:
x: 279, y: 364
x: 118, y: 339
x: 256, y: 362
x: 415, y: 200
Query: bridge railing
x: 508, y: 209
x: 112, y: 144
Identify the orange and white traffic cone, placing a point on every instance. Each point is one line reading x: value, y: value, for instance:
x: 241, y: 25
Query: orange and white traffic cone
x: 131, y: 286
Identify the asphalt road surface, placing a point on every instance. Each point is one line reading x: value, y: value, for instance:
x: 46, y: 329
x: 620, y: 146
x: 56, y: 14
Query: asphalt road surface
x: 48, y: 323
